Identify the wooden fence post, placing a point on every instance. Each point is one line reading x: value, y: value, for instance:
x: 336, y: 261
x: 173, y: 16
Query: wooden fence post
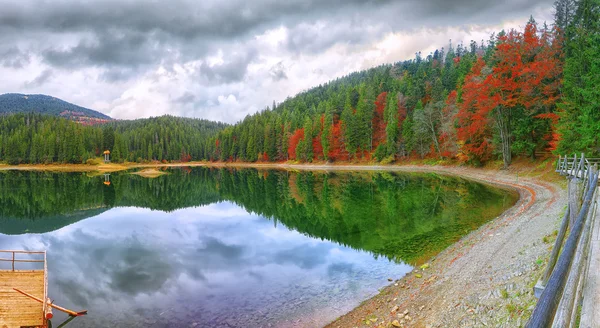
x: 573, y: 195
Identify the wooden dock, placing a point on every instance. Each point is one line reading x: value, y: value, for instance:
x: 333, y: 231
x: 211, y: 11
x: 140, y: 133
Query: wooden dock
x: 17, y: 310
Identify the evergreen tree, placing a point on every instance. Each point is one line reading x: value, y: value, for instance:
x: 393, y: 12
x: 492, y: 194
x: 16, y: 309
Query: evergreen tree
x: 580, y: 111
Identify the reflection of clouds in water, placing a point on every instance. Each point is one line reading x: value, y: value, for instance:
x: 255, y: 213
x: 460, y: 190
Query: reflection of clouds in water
x: 86, y: 268
x: 139, y: 270
x: 340, y: 268
x: 127, y: 262
x: 305, y: 256
x: 215, y: 248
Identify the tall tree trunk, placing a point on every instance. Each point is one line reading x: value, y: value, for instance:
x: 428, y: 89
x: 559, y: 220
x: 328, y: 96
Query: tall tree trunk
x: 435, y: 140
x: 503, y: 120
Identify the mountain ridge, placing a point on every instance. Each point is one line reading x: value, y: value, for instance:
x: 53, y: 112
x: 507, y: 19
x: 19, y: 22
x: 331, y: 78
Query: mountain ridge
x: 12, y: 103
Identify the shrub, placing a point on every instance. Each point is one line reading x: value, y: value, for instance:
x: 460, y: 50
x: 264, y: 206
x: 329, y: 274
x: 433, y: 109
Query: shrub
x: 93, y: 161
x: 388, y: 160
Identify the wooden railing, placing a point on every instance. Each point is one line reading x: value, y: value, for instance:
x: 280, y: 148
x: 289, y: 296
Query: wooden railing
x: 561, y: 289
x: 14, y: 259
x: 575, y: 165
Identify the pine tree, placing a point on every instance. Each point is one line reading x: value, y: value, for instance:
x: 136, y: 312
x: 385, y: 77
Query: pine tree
x: 580, y: 111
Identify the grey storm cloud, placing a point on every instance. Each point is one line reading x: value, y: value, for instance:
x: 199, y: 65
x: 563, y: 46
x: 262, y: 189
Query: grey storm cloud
x: 186, y: 98
x: 135, y: 33
x: 40, y: 79
x: 233, y: 69
x: 13, y: 57
x: 131, y: 49
x: 278, y: 72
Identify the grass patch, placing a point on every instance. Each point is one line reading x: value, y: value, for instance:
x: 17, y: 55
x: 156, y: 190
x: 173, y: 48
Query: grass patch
x: 511, y: 308
x: 94, y: 161
x: 515, y: 309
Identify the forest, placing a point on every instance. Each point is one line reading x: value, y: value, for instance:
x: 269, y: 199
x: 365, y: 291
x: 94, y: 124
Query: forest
x: 35, y: 138
x: 520, y: 93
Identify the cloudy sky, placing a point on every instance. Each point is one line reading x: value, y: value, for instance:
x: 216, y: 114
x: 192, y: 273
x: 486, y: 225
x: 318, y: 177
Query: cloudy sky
x: 224, y: 59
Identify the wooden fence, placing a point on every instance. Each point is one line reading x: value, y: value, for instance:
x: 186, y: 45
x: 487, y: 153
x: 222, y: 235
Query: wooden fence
x: 561, y: 289
x: 14, y: 260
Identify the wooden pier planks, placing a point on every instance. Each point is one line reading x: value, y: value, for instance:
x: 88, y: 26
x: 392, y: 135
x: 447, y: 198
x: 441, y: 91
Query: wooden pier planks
x: 17, y: 310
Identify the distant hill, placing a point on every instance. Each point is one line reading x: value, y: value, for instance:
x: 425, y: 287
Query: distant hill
x: 19, y: 103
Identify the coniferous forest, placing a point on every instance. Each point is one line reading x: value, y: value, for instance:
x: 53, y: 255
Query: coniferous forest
x: 520, y: 93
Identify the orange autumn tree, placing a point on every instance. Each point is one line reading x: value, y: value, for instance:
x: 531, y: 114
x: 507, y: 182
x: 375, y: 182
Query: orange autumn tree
x: 524, y: 84
x: 447, y: 138
x: 473, y: 130
x: 516, y: 91
x: 294, y: 141
x: 337, y: 150
x: 378, y: 122
x: 545, y: 72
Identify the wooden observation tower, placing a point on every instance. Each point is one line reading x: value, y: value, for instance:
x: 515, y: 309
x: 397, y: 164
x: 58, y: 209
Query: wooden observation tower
x: 106, y: 156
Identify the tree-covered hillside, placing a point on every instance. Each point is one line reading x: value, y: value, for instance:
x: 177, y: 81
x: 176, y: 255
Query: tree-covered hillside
x: 19, y: 103
x: 475, y: 103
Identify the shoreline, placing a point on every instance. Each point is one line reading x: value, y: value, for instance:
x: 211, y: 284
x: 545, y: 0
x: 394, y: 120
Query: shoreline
x: 485, y: 278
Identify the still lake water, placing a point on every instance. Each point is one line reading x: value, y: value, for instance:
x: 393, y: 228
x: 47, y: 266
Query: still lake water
x: 206, y: 247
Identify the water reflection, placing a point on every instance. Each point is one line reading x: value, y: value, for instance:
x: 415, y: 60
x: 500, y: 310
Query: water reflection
x: 186, y: 248
x: 215, y: 266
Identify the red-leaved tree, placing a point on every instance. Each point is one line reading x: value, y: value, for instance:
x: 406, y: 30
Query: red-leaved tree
x: 378, y: 120
x: 294, y: 140
x: 473, y: 124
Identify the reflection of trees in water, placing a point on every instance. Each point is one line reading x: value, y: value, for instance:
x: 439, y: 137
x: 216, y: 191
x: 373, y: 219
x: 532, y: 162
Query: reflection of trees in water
x: 399, y: 216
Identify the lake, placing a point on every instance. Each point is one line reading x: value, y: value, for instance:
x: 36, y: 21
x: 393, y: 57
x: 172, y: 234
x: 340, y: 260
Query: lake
x: 201, y: 247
